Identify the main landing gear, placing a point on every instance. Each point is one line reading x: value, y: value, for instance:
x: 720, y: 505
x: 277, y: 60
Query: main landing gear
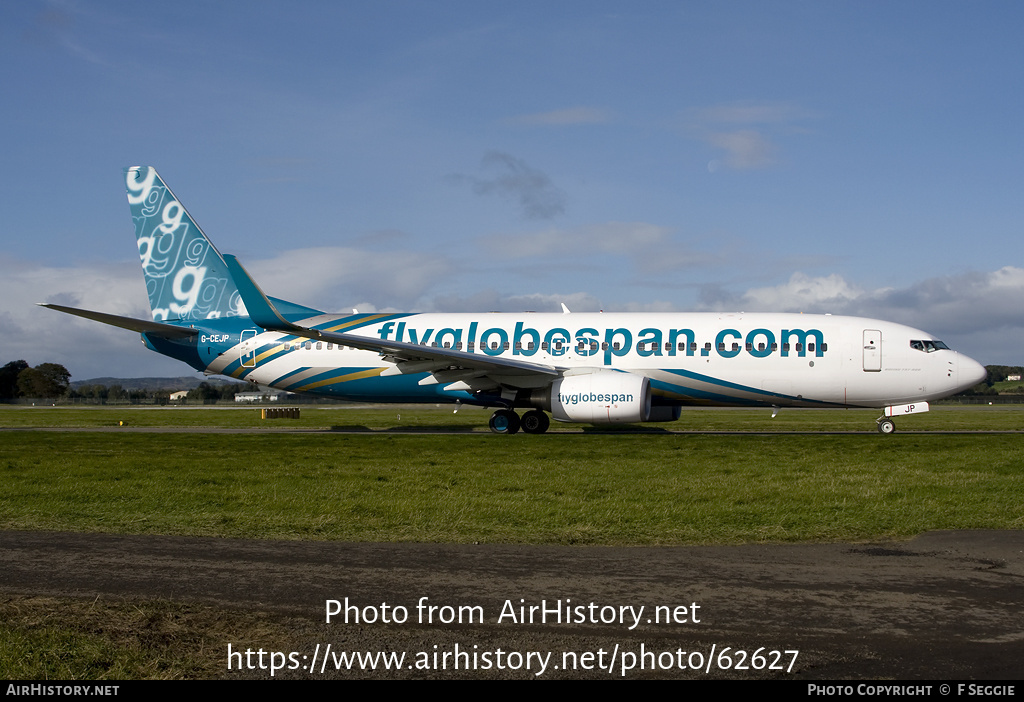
x: 508, y: 422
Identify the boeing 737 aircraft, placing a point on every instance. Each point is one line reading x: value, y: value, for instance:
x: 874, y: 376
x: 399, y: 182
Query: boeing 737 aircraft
x: 594, y: 368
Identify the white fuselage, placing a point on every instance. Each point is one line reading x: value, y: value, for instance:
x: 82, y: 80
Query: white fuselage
x: 765, y: 359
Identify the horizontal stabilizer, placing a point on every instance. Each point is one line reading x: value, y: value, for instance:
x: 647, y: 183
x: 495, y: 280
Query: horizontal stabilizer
x: 140, y: 325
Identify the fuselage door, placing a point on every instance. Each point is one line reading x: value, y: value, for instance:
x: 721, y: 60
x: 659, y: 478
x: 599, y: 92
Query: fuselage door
x: 247, y: 348
x: 872, y: 350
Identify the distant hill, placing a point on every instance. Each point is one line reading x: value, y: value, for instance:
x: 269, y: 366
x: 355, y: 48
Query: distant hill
x: 184, y: 382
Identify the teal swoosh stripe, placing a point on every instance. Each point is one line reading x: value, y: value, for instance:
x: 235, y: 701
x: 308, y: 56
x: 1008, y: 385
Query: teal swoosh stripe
x: 276, y: 381
x: 365, y: 320
x: 342, y: 325
x: 767, y: 394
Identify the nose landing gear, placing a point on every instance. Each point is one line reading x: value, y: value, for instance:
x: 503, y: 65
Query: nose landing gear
x: 886, y: 425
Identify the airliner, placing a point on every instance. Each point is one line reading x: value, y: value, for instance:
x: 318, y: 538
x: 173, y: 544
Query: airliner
x: 576, y: 367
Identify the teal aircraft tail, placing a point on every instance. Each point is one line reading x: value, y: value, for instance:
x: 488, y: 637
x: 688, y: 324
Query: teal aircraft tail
x: 186, y: 277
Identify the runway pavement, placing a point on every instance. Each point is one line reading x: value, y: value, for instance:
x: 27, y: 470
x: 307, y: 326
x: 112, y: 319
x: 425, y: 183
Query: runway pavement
x: 944, y: 605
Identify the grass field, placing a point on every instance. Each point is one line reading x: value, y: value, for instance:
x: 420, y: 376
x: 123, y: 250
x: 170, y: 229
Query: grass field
x: 783, y: 480
x: 471, y: 419
x: 575, y: 488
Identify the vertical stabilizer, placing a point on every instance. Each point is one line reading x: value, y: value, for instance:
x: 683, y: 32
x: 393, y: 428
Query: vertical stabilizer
x: 186, y: 277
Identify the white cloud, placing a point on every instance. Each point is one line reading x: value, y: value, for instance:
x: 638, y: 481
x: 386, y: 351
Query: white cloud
x: 968, y: 303
x: 332, y: 277
x: 749, y: 113
x: 493, y: 301
x: 745, y: 149
x: 564, y: 117
x: 980, y: 313
x: 746, y: 132
x: 88, y: 349
x: 607, y: 237
x: 642, y: 251
x: 802, y: 293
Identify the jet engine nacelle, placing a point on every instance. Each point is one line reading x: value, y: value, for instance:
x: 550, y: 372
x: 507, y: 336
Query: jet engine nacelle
x: 602, y: 397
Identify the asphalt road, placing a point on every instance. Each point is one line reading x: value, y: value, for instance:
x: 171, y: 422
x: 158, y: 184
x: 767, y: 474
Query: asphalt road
x: 945, y: 605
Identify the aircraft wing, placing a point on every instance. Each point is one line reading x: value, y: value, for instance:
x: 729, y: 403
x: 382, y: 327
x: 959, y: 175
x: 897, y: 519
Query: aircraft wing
x: 140, y: 325
x: 263, y: 312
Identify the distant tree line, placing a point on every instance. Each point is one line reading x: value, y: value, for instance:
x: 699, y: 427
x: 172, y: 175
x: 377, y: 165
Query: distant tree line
x: 209, y: 394
x: 115, y: 394
x: 205, y: 393
x: 52, y: 381
x: 18, y: 379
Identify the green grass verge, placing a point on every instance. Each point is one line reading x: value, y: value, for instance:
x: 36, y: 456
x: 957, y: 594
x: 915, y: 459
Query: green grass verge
x: 472, y: 419
x: 1009, y: 387
x: 595, y: 488
x: 568, y: 489
x: 43, y: 638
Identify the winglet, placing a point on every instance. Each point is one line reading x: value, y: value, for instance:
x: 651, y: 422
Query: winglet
x: 261, y: 310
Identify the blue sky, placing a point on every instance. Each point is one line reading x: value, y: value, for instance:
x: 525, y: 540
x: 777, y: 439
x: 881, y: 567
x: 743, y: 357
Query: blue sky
x: 855, y: 158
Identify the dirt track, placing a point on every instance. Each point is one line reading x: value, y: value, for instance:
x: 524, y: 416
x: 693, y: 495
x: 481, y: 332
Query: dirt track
x: 945, y: 605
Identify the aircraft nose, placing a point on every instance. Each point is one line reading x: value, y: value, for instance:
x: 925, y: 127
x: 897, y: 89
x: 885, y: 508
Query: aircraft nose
x: 969, y: 373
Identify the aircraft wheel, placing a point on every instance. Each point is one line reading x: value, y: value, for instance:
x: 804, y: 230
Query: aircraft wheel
x: 504, y: 422
x: 886, y: 426
x: 535, y: 422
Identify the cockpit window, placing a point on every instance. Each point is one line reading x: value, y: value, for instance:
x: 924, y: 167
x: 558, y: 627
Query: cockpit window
x: 927, y: 345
